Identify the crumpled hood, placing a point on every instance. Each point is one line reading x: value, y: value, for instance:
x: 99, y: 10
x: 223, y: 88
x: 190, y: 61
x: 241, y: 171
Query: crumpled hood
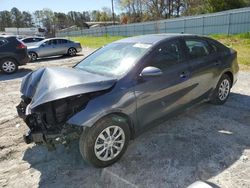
x: 48, y: 84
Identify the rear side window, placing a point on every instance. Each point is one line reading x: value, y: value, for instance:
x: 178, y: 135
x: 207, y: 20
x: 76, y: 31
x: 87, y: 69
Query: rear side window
x: 37, y: 39
x: 197, y: 48
x: 3, y: 41
x: 216, y: 46
x: 166, y: 55
x: 62, y: 41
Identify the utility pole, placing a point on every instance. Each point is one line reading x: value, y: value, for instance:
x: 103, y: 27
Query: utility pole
x: 113, y: 14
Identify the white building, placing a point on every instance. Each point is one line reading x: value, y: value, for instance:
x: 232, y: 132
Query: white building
x: 32, y: 31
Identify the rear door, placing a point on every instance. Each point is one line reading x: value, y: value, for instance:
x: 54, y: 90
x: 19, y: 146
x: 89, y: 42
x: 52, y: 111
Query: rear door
x: 158, y: 96
x: 204, y: 65
x: 63, y: 46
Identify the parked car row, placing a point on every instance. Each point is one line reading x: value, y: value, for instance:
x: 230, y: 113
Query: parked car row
x: 16, y: 52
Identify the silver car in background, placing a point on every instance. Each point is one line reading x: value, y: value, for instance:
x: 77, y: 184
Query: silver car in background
x: 53, y: 47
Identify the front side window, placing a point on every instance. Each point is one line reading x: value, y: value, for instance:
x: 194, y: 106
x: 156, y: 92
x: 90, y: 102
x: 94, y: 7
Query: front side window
x: 54, y: 42
x: 166, y: 55
x: 51, y: 42
x: 115, y: 59
x: 197, y: 48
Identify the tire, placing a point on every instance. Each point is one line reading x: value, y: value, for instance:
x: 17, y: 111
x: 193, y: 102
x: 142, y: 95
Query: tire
x: 92, y: 145
x: 33, y: 56
x: 9, y: 65
x: 71, y: 52
x: 222, y: 90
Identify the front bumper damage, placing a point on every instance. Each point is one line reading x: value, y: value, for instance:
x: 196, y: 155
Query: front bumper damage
x: 51, y: 96
x: 41, y: 134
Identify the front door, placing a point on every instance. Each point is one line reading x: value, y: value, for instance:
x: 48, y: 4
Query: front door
x: 158, y: 96
x: 49, y: 48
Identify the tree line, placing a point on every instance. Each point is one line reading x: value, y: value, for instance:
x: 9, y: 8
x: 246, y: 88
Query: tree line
x: 50, y: 20
x: 131, y: 11
x: 148, y: 10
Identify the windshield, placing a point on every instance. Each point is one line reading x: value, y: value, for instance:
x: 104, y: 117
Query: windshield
x: 115, y: 59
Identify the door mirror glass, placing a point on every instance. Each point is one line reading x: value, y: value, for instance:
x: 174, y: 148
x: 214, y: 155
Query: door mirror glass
x: 150, y: 72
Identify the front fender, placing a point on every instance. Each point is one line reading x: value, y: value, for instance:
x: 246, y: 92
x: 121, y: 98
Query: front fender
x: 114, y: 102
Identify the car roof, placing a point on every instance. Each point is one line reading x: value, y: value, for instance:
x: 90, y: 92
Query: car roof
x: 152, y: 38
x: 54, y: 38
x: 8, y: 36
x: 33, y: 37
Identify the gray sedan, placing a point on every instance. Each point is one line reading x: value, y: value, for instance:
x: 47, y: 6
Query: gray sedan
x: 122, y: 89
x: 53, y: 47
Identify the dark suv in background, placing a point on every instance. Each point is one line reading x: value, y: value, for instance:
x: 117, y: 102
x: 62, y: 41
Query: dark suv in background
x: 13, y: 53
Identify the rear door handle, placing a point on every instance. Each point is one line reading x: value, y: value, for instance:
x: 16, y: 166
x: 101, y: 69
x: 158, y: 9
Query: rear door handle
x: 217, y: 62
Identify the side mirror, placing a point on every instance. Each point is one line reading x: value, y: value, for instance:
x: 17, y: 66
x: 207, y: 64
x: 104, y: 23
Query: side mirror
x: 150, y: 72
x: 43, y: 45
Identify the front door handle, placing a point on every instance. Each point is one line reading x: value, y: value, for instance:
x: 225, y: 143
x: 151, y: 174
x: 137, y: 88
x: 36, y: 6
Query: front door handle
x: 184, y: 75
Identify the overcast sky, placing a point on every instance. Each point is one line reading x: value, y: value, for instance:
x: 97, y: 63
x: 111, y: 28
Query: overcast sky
x: 55, y: 5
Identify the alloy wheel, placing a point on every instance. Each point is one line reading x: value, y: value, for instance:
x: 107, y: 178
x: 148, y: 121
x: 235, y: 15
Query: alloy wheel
x: 72, y: 52
x: 224, y: 89
x: 109, y: 143
x: 33, y: 56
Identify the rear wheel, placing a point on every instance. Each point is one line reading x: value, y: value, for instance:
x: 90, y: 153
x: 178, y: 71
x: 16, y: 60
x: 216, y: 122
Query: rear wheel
x: 9, y: 65
x: 33, y: 56
x: 105, y: 142
x: 222, y: 90
x: 72, y: 52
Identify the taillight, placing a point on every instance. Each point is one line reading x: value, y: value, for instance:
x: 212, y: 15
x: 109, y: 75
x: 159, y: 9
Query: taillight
x: 21, y: 46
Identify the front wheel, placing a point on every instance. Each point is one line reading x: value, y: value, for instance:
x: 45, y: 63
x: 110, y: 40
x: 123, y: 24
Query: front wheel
x: 222, y: 90
x: 105, y: 142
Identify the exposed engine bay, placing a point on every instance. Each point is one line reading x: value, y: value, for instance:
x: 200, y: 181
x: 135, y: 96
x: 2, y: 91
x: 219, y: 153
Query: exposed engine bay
x: 48, y: 101
x: 47, y: 122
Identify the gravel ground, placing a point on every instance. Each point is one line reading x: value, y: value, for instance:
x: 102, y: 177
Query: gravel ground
x: 209, y: 143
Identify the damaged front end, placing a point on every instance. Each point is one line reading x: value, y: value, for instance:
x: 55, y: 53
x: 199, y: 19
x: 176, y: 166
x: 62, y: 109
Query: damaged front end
x: 46, y: 109
x: 47, y: 122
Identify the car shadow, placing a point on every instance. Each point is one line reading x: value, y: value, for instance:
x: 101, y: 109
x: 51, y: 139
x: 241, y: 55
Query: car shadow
x: 198, y: 144
x: 52, y: 58
x: 19, y: 74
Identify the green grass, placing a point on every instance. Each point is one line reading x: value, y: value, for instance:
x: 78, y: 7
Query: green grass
x: 239, y: 42
x: 95, y: 42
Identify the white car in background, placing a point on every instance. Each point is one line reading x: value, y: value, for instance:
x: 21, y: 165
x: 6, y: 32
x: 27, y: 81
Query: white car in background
x: 30, y: 41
